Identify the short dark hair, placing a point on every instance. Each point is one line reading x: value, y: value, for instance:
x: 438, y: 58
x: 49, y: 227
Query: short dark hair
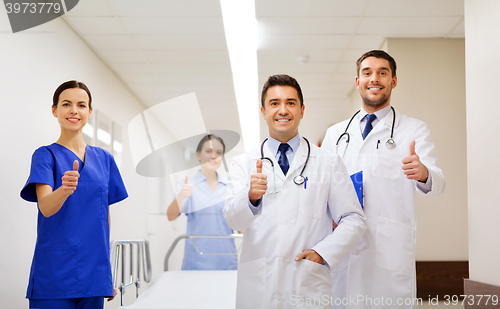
x: 377, y: 54
x: 70, y: 85
x: 281, y: 80
x: 209, y: 137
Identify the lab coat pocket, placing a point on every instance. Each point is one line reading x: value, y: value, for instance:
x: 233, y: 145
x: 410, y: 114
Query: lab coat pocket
x: 386, y: 163
x: 314, y: 280
x: 313, y: 199
x: 55, y: 270
x: 395, y: 246
x: 251, y: 286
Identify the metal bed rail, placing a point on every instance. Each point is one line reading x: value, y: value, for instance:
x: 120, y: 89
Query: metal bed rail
x: 192, y: 237
x: 118, y: 256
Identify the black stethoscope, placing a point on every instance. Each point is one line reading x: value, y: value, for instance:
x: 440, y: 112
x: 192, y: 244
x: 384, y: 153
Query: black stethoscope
x: 299, y: 179
x: 390, y: 144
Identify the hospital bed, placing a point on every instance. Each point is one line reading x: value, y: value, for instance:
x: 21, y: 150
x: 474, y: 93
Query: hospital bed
x: 177, y: 289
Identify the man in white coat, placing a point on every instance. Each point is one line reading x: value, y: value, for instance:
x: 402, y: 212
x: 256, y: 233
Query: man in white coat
x: 288, y: 244
x: 397, y: 157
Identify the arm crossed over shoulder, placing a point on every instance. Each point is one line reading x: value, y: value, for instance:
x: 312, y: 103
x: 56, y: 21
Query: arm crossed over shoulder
x: 345, y: 209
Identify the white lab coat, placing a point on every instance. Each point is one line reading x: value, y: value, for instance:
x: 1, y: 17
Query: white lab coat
x: 382, y: 265
x: 289, y: 222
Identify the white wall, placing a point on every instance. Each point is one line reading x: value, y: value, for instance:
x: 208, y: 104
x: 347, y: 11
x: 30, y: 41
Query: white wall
x: 431, y: 87
x: 483, y: 109
x: 32, y: 64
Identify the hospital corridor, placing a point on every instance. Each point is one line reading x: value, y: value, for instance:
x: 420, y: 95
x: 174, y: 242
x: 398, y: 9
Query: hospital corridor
x: 202, y: 154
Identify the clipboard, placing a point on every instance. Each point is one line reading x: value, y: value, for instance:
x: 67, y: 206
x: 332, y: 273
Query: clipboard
x: 357, y: 181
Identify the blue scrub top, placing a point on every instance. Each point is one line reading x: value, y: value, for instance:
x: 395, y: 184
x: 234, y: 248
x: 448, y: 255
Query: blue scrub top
x: 71, y: 258
x: 204, y: 211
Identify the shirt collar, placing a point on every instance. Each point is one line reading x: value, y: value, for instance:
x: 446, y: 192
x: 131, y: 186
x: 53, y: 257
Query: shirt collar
x: 199, y: 177
x: 273, y: 144
x: 381, y: 113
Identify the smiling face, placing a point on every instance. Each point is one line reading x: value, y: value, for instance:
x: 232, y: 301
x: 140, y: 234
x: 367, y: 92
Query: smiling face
x: 282, y: 112
x: 375, y: 83
x: 211, y: 155
x: 72, y: 110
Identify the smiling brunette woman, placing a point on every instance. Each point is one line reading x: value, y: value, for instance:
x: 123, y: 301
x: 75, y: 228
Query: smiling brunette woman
x: 73, y: 184
x: 201, y: 199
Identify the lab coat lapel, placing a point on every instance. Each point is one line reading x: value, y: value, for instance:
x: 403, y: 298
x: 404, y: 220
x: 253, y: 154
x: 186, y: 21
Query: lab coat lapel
x: 386, y: 123
x: 268, y: 169
x: 298, y: 159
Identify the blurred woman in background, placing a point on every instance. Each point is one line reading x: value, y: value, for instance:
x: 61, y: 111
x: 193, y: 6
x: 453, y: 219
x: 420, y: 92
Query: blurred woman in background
x: 202, y: 198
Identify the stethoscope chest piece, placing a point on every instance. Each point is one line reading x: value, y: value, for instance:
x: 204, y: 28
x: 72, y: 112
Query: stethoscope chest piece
x: 390, y: 144
x: 299, y: 179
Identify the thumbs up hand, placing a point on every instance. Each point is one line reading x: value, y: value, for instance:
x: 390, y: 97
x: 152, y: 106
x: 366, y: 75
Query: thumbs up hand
x: 70, y: 179
x: 413, y: 168
x: 187, y: 189
x: 258, y: 184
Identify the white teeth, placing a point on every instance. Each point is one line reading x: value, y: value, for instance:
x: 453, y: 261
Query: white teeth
x: 283, y: 120
x: 374, y: 88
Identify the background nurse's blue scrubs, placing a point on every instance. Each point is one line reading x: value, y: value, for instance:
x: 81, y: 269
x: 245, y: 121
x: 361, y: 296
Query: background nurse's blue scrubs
x: 201, y: 198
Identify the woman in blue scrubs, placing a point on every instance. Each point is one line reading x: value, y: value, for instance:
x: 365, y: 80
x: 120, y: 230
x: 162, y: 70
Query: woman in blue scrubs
x: 202, y: 198
x: 73, y: 184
